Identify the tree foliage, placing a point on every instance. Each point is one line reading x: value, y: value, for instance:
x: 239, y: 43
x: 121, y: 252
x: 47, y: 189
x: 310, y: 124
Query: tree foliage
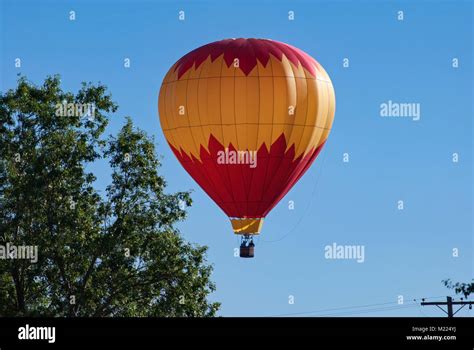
x: 111, y: 254
x: 460, y: 288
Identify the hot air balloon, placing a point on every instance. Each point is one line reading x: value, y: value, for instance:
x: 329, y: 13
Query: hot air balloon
x: 246, y: 118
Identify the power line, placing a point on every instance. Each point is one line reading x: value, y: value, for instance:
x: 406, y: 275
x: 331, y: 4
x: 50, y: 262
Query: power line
x: 323, y: 313
x: 363, y: 307
x: 333, y: 309
x: 405, y: 306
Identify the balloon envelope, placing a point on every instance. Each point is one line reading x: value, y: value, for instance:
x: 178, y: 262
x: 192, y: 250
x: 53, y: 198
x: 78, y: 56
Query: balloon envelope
x: 246, y: 118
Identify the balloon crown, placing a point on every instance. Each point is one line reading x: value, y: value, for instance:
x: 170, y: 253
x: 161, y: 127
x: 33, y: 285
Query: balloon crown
x: 247, y: 51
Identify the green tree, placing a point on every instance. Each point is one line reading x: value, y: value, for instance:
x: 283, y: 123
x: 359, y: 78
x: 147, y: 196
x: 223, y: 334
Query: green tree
x: 116, y: 254
x: 460, y: 288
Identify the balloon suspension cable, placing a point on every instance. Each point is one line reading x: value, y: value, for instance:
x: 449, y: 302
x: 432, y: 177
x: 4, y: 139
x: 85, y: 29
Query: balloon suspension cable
x: 247, y: 241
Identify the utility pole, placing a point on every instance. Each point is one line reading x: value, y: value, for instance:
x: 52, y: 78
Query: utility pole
x: 449, y: 303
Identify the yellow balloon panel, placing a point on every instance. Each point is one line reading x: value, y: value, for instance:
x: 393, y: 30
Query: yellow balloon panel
x: 247, y: 111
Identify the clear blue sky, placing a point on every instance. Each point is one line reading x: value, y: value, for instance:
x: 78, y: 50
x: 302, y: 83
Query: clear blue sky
x: 407, y: 252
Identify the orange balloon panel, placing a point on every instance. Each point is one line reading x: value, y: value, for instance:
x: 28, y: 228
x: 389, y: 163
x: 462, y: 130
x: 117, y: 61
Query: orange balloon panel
x: 246, y: 118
